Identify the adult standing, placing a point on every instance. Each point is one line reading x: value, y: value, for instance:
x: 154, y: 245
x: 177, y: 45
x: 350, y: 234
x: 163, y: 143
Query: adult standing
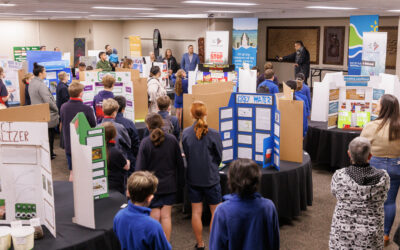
x: 360, y: 190
x: 5, y: 92
x: 154, y: 88
x: 108, y: 49
x: 301, y: 58
x: 171, y: 62
x: 40, y: 93
x: 190, y: 60
x: 384, y: 135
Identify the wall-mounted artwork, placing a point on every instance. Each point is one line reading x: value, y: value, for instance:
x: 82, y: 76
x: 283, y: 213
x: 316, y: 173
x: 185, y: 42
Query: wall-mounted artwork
x: 79, y: 50
x: 280, y: 41
x: 391, y: 49
x: 334, y: 45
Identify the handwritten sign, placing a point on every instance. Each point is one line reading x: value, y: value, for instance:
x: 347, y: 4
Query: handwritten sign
x: 24, y: 133
x: 254, y: 99
x: 8, y: 134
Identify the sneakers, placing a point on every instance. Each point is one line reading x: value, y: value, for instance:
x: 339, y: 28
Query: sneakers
x: 386, y: 240
x: 199, y: 248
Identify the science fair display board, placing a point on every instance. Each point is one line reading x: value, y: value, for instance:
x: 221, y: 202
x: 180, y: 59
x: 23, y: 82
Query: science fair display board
x: 89, y: 161
x: 212, y: 73
x: 217, y: 47
x: 122, y: 87
x: 244, y: 125
x: 350, y: 101
x: 20, y: 52
x: 26, y: 184
x: 13, y: 77
x: 53, y: 68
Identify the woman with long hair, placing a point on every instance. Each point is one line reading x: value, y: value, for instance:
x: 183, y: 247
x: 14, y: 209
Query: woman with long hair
x: 171, y: 62
x: 154, y: 88
x: 160, y: 153
x: 181, y: 87
x: 384, y: 135
x: 127, y: 63
x: 203, y: 150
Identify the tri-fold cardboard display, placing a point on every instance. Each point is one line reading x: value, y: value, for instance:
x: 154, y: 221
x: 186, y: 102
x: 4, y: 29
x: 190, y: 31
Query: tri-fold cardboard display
x: 26, y: 184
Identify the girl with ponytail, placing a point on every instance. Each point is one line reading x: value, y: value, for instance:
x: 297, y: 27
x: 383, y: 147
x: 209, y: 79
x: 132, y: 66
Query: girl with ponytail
x: 181, y: 87
x: 203, y: 150
x: 160, y: 153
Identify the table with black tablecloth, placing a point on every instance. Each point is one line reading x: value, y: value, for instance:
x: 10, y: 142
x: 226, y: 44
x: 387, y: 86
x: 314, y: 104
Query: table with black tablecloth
x: 73, y: 236
x: 328, y: 146
x: 290, y: 188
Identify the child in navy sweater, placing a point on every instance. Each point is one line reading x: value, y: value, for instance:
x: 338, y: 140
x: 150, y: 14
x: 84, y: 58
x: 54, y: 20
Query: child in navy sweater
x: 133, y: 225
x: 108, y: 82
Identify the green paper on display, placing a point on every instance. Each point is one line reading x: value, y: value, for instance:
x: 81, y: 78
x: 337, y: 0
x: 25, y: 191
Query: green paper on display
x: 344, y: 118
x: 19, y: 53
x: 363, y: 118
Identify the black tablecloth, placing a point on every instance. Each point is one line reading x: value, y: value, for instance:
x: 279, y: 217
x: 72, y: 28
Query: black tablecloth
x: 291, y: 188
x: 73, y: 236
x: 328, y: 146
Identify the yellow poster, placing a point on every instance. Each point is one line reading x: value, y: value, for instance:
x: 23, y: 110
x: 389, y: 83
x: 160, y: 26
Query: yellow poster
x: 135, y: 46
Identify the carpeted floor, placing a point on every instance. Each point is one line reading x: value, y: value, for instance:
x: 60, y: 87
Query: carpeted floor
x: 308, y: 231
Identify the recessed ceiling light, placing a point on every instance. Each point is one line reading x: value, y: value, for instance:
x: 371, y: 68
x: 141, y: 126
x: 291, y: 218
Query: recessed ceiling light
x: 393, y: 10
x: 61, y: 11
x: 220, y: 3
x: 331, y: 8
x: 7, y: 4
x: 228, y: 11
x: 179, y: 16
x: 15, y: 14
x: 120, y: 8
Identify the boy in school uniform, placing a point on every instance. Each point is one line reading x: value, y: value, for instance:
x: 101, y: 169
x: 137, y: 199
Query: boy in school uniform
x: 269, y: 82
x: 68, y: 112
x: 108, y: 82
x: 133, y: 225
x: 171, y: 123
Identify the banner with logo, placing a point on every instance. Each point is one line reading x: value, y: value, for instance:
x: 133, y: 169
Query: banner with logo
x: 374, y: 53
x: 217, y: 47
x: 244, y: 41
x: 359, y: 25
x: 135, y: 46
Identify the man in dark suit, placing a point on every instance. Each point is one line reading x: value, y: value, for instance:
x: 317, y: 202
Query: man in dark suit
x: 189, y: 60
x: 301, y: 58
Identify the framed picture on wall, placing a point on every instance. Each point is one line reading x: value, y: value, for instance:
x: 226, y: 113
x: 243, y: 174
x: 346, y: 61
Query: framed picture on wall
x: 391, y: 48
x: 334, y: 45
x: 280, y: 41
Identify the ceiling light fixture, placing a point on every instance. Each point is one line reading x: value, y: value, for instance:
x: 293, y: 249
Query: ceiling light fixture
x: 220, y: 3
x: 179, y: 16
x: 120, y: 8
x: 228, y: 11
x: 15, y: 14
x: 331, y: 8
x: 393, y: 10
x: 7, y: 4
x: 61, y: 11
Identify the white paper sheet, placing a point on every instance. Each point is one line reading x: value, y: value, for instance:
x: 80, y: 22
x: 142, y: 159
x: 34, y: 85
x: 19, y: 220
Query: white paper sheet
x: 245, y: 153
x: 260, y: 142
x: 227, y: 154
x: 95, y: 141
x: 245, y: 139
x: 227, y: 135
x: 12, y: 154
x: 93, y: 132
x: 259, y: 158
x: 51, y: 75
x: 99, y: 164
x: 227, y: 143
x: 263, y: 118
x: 226, y: 113
x: 228, y: 125
x: 245, y: 112
x: 245, y: 126
x: 277, y: 130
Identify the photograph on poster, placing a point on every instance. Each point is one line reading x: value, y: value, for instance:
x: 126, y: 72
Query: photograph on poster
x: 245, y: 112
x: 333, y: 108
x: 49, y: 189
x: 226, y: 113
x: 245, y: 153
x: 227, y: 154
x: 2, y: 209
x: 333, y: 94
x: 245, y: 139
x: 228, y: 125
x: 277, y: 117
x: 227, y: 143
x: 245, y: 126
x: 97, y: 153
x: 377, y: 94
x: 332, y: 121
x: 263, y: 118
x: 260, y: 142
x: 355, y: 94
x: 99, y: 186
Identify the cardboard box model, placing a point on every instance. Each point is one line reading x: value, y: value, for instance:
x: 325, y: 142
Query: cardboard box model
x: 26, y: 184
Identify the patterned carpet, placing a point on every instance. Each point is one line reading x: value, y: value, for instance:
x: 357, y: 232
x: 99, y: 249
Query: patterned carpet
x: 308, y: 231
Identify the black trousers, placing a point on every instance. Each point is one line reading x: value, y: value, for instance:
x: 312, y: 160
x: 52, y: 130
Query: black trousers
x: 52, y: 133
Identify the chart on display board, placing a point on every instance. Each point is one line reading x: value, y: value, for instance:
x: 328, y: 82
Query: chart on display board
x: 246, y: 124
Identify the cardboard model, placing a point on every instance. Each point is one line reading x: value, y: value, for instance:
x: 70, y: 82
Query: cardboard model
x: 88, y: 151
x: 214, y: 95
x: 26, y: 184
x: 350, y: 100
x: 122, y: 86
x: 250, y: 128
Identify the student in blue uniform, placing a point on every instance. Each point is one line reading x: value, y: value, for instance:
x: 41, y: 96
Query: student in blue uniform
x: 245, y: 220
x: 203, y: 150
x: 133, y: 225
x: 303, y: 88
x: 293, y: 85
x: 62, y: 95
x: 181, y: 87
x: 160, y: 153
x: 269, y: 82
x: 171, y: 123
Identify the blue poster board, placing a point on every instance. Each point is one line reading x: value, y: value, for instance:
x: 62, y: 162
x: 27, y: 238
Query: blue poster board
x: 245, y: 123
x: 41, y: 56
x: 52, y: 76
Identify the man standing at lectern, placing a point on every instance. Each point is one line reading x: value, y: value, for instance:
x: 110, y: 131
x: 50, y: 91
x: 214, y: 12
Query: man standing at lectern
x: 301, y: 58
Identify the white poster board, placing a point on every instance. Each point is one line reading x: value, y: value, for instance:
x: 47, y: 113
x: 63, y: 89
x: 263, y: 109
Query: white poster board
x: 26, y: 184
x: 374, y: 53
x: 11, y: 79
x: 123, y: 87
x: 217, y: 47
x: 247, y: 81
x: 95, y: 53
